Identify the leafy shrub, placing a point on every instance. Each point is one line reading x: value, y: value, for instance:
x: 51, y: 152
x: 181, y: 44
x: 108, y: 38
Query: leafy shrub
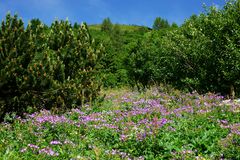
x: 202, y: 54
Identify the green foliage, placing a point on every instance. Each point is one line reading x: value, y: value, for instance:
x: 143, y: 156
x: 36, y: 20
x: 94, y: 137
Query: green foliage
x: 45, y: 67
x: 123, y: 27
x: 160, y: 23
x: 213, y: 39
x: 202, y: 54
x: 128, y: 125
x: 106, y: 25
x: 174, y: 25
x: 116, y: 44
x: 61, y: 66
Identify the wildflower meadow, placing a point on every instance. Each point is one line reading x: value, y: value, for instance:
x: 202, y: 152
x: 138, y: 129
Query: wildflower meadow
x: 155, y: 124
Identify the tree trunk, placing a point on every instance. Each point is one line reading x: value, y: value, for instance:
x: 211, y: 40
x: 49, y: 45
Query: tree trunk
x: 232, y: 92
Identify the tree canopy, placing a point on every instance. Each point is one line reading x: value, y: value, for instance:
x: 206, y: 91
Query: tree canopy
x: 160, y: 23
x: 106, y: 25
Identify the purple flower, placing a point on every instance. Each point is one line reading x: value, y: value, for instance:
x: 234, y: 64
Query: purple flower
x: 159, y: 123
x: 69, y: 142
x: 171, y: 128
x: 78, y: 111
x: 23, y: 150
x: 224, y: 122
x: 187, y: 152
x: 123, y: 137
x: 33, y: 146
x: 141, y: 101
x: 237, y: 132
x: 164, y: 121
x: 114, y: 152
x: 55, y: 142
x: 203, y: 111
x: 48, y: 151
x: 141, y: 136
x: 111, y: 126
x: 52, y: 119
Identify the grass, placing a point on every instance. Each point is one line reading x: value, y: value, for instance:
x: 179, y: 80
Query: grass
x: 156, y: 124
x: 122, y: 27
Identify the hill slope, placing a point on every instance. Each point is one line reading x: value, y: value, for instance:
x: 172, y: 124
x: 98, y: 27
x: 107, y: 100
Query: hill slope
x: 123, y: 27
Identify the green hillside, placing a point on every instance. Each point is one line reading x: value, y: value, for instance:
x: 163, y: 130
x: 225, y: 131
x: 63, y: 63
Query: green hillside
x: 123, y: 27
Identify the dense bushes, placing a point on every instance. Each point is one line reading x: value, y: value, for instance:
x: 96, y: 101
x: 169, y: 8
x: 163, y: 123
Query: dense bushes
x: 45, y: 67
x: 117, y: 42
x: 203, y: 54
x: 61, y: 66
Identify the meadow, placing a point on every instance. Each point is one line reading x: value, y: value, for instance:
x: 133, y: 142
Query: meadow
x: 160, y: 123
x: 57, y: 99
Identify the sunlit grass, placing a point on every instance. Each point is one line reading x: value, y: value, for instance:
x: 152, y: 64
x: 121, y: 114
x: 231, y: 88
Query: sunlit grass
x: 121, y: 26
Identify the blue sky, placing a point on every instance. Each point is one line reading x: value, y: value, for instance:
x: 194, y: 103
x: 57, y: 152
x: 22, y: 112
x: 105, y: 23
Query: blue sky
x: 139, y: 12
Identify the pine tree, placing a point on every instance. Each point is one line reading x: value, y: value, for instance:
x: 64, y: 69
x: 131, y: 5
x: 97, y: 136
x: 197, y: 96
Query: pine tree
x: 160, y: 23
x: 107, y: 25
